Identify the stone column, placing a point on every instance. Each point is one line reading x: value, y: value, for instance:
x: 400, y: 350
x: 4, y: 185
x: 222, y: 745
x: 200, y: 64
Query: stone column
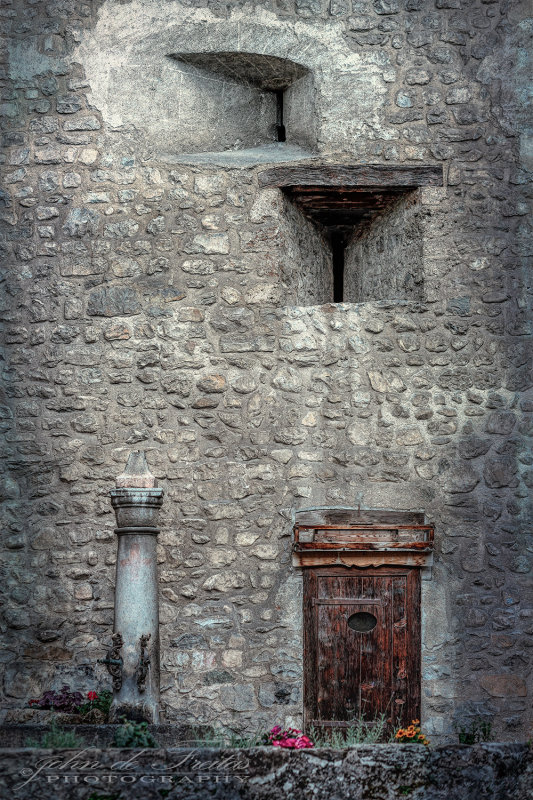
x: 136, y: 631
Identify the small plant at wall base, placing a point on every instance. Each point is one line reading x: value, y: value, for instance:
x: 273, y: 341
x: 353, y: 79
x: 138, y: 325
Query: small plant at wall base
x: 133, y: 734
x: 95, y: 707
x: 479, y: 730
x: 64, y: 700
x: 360, y: 731
x: 209, y: 737
x: 96, y: 701
x: 411, y: 735
x: 57, y: 738
x: 240, y: 740
x: 291, y: 738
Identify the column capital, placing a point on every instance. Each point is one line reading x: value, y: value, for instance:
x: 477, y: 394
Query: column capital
x: 136, y: 499
x: 137, y: 473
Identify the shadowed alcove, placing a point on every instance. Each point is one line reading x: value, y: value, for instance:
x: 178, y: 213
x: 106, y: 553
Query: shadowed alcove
x: 368, y: 220
x: 248, y: 100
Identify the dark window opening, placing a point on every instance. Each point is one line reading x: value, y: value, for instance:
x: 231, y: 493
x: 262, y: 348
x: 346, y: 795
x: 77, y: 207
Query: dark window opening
x: 280, y: 127
x: 338, y: 245
x: 260, y: 99
x: 362, y: 621
x: 369, y: 228
x: 373, y: 241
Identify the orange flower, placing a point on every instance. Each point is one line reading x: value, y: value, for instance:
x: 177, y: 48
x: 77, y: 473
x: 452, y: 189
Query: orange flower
x: 410, y: 734
x: 416, y: 722
x: 400, y: 733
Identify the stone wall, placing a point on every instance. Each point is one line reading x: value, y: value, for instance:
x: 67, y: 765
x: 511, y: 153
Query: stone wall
x: 304, y: 252
x: 149, y: 303
x: 486, y: 772
x: 384, y: 260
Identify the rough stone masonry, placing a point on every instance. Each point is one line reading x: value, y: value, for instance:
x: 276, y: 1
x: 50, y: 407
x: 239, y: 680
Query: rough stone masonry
x: 155, y: 298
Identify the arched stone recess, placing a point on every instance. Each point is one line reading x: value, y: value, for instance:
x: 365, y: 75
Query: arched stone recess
x: 182, y: 87
x: 255, y: 100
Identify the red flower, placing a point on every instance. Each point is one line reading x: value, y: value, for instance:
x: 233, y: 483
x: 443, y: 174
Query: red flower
x: 92, y: 696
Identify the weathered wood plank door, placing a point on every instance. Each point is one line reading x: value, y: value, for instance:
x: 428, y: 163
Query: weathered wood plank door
x: 361, y: 644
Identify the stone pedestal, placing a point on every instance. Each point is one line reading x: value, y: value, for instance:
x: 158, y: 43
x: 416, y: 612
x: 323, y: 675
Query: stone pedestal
x: 136, y: 501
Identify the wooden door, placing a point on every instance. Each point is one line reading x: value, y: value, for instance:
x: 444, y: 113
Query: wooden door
x: 361, y: 644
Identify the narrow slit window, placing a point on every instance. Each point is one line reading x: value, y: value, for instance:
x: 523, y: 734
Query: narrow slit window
x: 280, y: 126
x: 338, y: 244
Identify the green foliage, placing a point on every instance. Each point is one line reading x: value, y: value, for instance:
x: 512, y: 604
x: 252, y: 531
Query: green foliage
x: 102, y: 702
x: 361, y: 731
x: 211, y: 737
x: 240, y: 740
x: 479, y: 730
x: 133, y: 734
x: 206, y: 737
x: 57, y: 737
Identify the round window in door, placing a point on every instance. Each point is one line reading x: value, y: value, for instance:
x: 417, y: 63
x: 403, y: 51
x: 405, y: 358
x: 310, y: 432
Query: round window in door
x: 362, y: 621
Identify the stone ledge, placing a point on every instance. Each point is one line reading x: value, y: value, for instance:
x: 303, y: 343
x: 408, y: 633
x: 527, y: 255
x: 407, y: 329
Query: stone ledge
x: 96, y: 735
x: 481, y: 772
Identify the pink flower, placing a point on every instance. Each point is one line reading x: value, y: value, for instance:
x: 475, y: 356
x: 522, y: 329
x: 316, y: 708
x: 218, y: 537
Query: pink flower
x: 303, y: 742
x: 92, y: 696
x: 291, y: 738
x: 289, y: 743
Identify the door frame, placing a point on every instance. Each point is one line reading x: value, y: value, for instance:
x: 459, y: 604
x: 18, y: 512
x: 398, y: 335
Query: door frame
x: 310, y: 633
